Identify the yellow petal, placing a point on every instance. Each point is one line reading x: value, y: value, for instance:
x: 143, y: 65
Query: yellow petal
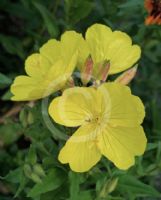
x: 48, y: 71
x: 74, y: 108
x: 121, y: 144
x: 125, y: 109
x: 69, y: 45
x: 37, y: 65
x: 80, y: 151
x: 51, y: 50
x: 98, y: 37
x: 103, y: 44
x: 121, y: 53
x: 26, y: 88
x: 65, y: 51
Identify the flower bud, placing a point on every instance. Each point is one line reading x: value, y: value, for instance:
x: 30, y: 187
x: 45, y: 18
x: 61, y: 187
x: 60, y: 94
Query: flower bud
x: 23, y: 117
x: 87, y: 70
x: 30, y: 118
x: 104, y: 70
x: 39, y: 170
x: 35, y: 178
x: 127, y: 76
x: 109, y: 187
x: 27, y: 170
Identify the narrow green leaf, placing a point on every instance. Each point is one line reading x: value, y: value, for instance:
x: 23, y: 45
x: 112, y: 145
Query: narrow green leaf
x: 74, y: 185
x: 48, y: 18
x: 14, y: 176
x: 10, y: 132
x: 77, y: 10
x: 23, y: 182
x: 4, y: 81
x: 130, y: 184
x: 52, y: 181
x: 7, y: 95
x: 12, y: 45
x: 32, y: 157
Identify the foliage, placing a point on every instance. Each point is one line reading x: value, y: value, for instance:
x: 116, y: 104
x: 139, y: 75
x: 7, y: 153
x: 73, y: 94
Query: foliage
x: 28, y: 149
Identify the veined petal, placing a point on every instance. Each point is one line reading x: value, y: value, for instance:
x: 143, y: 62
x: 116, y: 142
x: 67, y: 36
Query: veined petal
x: 23, y: 87
x: 103, y: 44
x: 74, y: 108
x: 126, y: 109
x: 36, y: 65
x: 121, y: 144
x: 80, y: 151
x: 121, y: 53
x: 125, y: 59
x: 98, y: 38
x: 70, y: 41
x: 51, y: 50
x: 49, y: 70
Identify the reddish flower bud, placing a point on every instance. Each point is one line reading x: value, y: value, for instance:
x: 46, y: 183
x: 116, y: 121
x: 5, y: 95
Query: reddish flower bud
x: 127, y: 76
x: 87, y: 70
x: 104, y: 70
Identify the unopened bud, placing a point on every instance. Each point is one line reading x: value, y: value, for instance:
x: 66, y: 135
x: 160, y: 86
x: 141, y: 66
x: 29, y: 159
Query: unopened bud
x: 30, y: 118
x: 127, y: 76
x: 87, y: 70
x: 104, y: 71
x: 35, y: 178
x: 109, y: 187
x: 27, y: 170
x: 23, y: 117
x: 39, y: 170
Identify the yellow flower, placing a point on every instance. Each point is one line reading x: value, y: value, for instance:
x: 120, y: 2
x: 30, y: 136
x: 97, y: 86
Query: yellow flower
x: 48, y: 70
x: 109, y: 118
x: 104, y: 45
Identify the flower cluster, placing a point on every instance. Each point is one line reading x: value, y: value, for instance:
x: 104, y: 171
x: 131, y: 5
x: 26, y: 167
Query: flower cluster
x: 107, y: 115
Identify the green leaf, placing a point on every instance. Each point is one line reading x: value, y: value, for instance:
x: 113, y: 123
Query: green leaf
x: 7, y: 95
x: 23, y: 117
x: 77, y: 10
x: 12, y: 45
x: 14, y: 176
x: 52, y: 181
x: 4, y: 81
x: 85, y: 195
x: 152, y: 146
x: 131, y: 185
x: 17, y: 177
x: 48, y: 18
x: 22, y: 183
x: 74, y: 179
x: 10, y: 132
x: 32, y: 157
x: 38, y: 169
x: 109, y: 186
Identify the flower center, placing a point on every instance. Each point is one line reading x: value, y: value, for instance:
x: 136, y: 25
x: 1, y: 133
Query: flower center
x: 96, y: 119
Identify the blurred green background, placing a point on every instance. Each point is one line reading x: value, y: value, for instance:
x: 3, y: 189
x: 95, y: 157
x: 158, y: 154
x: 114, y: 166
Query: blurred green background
x: 29, y: 168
